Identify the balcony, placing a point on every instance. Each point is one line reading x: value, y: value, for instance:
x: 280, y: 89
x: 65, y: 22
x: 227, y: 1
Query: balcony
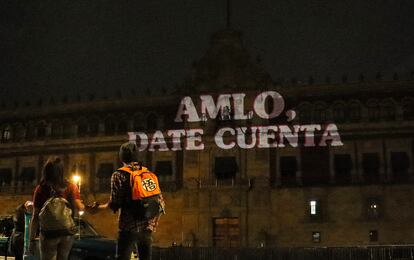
x: 221, y: 183
x: 17, y: 189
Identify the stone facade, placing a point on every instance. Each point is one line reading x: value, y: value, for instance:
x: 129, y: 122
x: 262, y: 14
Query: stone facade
x: 358, y: 193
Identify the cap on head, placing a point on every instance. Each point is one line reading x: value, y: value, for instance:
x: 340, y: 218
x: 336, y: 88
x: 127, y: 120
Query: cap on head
x: 128, y: 152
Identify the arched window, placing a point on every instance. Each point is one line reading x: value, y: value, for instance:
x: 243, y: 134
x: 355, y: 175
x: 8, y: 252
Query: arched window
x: 338, y: 111
x: 5, y: 176
x: 6, y: 133
x: 67, y: 128
x: 388, y: 110
x: 56, y: 130
x: 355, y: 111
x: 152, y: 121
x: 123, y: 125
x: 19, y: 132
x: 82, y: 127
x: 41, y: 129
x: 373, y: 110
x: 139, y: 123
x: 30, y: 130
x: 408, y: 108
x: 320, y: 113
x: 305, y: 112
x: 110, y: 125
x: 94, y: 126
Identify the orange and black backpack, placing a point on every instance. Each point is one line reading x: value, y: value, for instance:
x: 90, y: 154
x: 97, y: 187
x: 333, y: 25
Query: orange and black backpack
x: 145, y: 192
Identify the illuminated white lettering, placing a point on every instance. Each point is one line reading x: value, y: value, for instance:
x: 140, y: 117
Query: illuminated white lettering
x: 158, y: 140
x: 176, y: 139
x: 331, y: 134
x: 285, y: 133
x: 260, y: 104
x: 187, y: 108
x: 141, y: 139
x: 194, y: 139
x: 211, y: 109
x: 243, y: 133
x: 219, y: 138
x: 310, y: 134
x: 238, y: 102
x: 266, y: 134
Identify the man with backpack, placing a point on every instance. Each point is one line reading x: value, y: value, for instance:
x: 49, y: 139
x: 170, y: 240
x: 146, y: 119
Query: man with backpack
x: 136, y: 193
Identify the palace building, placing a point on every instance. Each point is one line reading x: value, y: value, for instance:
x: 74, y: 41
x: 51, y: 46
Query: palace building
x: 257, y: 194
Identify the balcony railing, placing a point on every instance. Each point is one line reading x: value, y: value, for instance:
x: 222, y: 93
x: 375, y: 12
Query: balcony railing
x: 16, y: 189
x: 211, y: 183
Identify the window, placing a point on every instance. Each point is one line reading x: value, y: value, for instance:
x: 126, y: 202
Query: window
x: 399, y: 166
x: 373, y: 110
x: 373, y: 236
x: 82, y: 127
x: 288, y: 168
x: 122, y: 126
x: 370, y: 166
x: 5, y: 176
x: 20, y: 132
x: 315, y: 166
x: 6, y: 134
x: 30, y: 131
x: 27, y: 175
x: 305, y: 113
x: 226, y: 114
x: 164, y: 170
x: 67, y: 128
x: 408, y: 109
x: 56, y: 129
x: 104, y: 174
x: 41, y: 129
x: 110, y: 125
x: 342, y: 167
x: 373, y: 208
x: 315, y: 212
x: 94, y: 126
x: 316, y: 236
x: 388, y: 111
x: 354, y: 111
x: 152, y: 121
x: 225, y: 167
x: 313, y: 207
x: 320, y: 113
x: 226, y: 232
x: 138, y: 123
x: 339, y: 112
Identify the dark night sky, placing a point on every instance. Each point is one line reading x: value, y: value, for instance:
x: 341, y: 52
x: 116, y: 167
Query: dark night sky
x: 56, y: 48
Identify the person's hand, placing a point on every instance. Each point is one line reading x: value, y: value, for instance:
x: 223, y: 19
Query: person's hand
x: 93, y: 208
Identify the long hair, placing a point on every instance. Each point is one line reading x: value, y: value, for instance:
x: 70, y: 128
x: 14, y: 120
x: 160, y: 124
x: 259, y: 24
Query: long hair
x: 52, y: 173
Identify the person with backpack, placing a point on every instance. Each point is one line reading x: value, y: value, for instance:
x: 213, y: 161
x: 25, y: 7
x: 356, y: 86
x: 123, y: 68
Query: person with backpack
x: 136, y: 193
x: 55, y: 200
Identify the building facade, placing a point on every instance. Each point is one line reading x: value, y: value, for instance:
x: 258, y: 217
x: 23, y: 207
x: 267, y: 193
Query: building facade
x: 356, y: 193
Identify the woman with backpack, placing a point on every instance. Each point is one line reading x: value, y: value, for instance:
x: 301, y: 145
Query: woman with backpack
x: 54, y: 201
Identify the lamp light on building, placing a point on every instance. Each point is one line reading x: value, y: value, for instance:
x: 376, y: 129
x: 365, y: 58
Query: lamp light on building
x: 77, y: 180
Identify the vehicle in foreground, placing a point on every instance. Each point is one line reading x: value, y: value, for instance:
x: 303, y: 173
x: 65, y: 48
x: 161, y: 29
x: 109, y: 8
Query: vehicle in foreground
x: 88, y: 244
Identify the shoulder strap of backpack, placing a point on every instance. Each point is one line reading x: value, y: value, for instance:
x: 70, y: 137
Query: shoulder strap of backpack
x: 136, y: 171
